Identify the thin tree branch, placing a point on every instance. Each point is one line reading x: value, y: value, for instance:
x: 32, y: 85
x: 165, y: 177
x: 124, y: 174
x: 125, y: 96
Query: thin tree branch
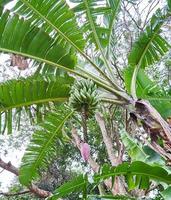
x: 149, y: 11
x: 14, y: 194
x: 2, y: 171
x: 135, y: 22
x: 32, y: 188
x: 118, y: 72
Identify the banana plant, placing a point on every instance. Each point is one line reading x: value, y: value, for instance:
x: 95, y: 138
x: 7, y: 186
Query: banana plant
x: 51, y: 35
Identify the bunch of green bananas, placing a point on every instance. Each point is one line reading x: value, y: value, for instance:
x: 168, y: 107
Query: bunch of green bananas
x: 84, y: 94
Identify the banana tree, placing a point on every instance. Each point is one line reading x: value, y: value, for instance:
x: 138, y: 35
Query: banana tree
x: 69, y: 43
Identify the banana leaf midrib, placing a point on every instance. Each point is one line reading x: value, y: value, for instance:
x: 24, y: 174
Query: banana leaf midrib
x: 106, y: 63
x: 28, y: 103
x: 75, y: 72
x: 133, y: 173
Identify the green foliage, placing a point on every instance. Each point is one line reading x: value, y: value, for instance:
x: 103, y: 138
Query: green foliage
x: 134, y: 150
x: 150, y: 45
x: 154, y: 158
x: 138, y: 175
x: 166, y: 194
x: 78, y: 184
x: 169, y: 4
x: 31, y: 41
x: 48, y: 33
x: 99, y: 34
x: 147, y: 89
x: 148, y: 49
x: 53, y: 15
x: 43, y: 144
x: 22, y: 94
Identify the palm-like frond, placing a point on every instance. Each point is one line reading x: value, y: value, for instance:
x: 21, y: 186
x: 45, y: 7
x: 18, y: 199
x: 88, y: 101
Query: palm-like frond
x: 19, y: 36
x: 97, y: 33
x: 111, y: 19
x: 16, y: 95
x: 43, y: 144
x: 55, y: 17
x: 58, y: 20
x: 77, y: 184
x: 138, y: 175
x: 150, y: 46
x: 29, y: 91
